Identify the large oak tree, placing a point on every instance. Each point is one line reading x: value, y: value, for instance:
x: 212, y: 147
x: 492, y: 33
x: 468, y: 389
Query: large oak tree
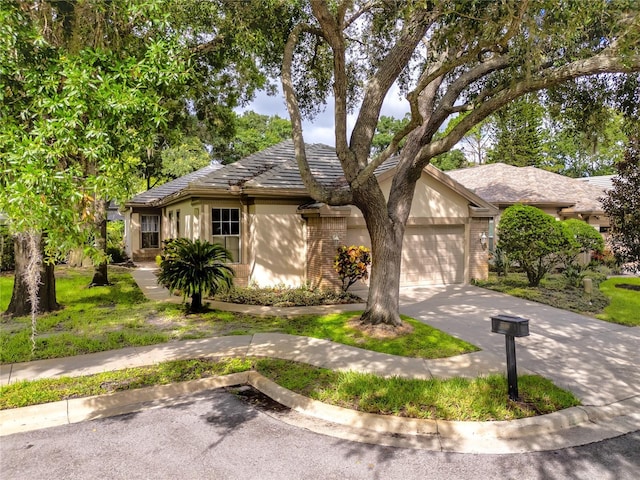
x: 450, y: 57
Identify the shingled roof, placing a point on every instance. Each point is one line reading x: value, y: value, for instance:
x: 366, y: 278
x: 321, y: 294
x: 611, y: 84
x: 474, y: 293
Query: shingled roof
x: 157, y: 194
x: 273, y: 171
x: 503, y: 184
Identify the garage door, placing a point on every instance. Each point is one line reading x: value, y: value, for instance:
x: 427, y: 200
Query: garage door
x: 430, y: 255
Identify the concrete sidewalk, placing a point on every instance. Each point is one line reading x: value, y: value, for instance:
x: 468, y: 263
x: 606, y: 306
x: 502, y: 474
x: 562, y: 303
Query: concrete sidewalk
x: 611, y: 406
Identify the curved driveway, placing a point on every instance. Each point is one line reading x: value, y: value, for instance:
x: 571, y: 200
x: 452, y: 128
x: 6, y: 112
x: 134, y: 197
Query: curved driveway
x: 598, y: 361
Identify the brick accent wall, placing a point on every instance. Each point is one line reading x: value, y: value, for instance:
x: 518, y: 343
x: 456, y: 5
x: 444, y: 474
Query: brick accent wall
x: 321, y: 250
x: 242, y: 274
x: 478, y: 255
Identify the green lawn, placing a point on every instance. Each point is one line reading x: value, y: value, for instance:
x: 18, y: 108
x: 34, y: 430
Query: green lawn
x: 625, y: 304
x: 106, y: 318
x: 479, y: 399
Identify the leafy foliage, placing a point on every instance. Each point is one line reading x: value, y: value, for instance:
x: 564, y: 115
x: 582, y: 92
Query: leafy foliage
x: 351, y: 264
x: 195, y: 268
x: 622, y: 205
x: 186, y: 157
x: 76, y: 107
x: 581, y: 238
x: 519, y: 133
x: 255, y: 132
x: 531, y: 238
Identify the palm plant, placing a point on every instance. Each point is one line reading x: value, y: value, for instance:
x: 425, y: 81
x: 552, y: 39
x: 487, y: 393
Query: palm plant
x: 195, y: 268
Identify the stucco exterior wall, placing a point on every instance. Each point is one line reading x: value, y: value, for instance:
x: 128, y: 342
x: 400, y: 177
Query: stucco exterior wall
x: 187, y: 220
x: 277, y: 246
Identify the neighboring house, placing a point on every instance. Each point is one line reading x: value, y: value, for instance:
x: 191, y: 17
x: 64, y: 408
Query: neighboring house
x: 602, y: 181
x: 562, y: 197
x: 260, y: 210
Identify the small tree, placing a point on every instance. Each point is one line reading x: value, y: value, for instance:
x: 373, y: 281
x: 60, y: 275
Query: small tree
x: 351, y: 264
x: 581, y: 238
x: 622, y: 205
x: 532, y: 238
x: 195, y: 268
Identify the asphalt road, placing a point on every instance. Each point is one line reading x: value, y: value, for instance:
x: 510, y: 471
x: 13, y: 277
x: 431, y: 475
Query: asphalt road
x: 219, y: 435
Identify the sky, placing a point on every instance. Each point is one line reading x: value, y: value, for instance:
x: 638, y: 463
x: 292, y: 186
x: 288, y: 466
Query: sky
x: 321, y: 128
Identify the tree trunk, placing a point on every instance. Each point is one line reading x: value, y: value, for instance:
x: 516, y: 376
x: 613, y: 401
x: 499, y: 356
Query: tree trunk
x: 383, y: 303
x: 196, y: 302
x: 100, y: 277
x: 20, y: 303
x: 386, y: 226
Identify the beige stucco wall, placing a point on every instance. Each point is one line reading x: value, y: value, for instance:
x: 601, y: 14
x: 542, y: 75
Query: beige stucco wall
x: 277, y: 252
x: 433, y: 200
x: 187, y: 220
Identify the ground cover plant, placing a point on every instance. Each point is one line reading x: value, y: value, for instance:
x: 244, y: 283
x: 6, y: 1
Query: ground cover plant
x: 479, y: 399
x: 282, y: 296
x: 624, y: 308
x: 106, y: 318
x: 554, y: 290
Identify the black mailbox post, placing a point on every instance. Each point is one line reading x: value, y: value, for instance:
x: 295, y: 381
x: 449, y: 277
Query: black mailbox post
x: 511, y: 327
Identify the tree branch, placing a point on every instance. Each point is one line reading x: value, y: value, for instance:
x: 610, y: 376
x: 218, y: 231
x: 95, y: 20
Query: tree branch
x: 387, y: 73
x: 317, y: 191
x: 602, y: 63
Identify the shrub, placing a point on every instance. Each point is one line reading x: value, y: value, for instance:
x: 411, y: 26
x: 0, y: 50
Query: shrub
x: 581, y: 238
x: 196, y: 268
x: 281, y: 296
x: 351, y: 264
x: 499, y: 262
x: 531, y: 237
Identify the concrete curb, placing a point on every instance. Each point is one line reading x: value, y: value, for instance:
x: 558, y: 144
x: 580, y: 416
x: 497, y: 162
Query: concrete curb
x: 573, y: 426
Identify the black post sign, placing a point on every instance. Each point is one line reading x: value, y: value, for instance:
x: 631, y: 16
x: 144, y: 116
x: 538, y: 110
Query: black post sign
x: 511, y: 327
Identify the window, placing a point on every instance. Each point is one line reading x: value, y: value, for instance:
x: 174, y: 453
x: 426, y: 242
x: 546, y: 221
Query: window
x: 226, y: 229
x: 178, y: 223
x: 150, y: 230
x: 171, y: 228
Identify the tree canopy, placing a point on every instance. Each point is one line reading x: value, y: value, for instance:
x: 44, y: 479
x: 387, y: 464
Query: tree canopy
x: 622, y: 205
x: 449, y: 57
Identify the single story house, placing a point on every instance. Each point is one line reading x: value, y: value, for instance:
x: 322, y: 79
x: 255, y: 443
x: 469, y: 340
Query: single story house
x: 562, y: 197
x: 260, y: 210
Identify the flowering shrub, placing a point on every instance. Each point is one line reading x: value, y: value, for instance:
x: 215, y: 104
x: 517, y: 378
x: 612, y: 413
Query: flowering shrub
x: 351, y: 264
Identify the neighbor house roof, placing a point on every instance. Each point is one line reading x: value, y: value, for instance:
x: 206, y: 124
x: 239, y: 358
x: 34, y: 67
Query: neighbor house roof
x: 602, y: 181
x: 503, y: 184
x: 273, y: 171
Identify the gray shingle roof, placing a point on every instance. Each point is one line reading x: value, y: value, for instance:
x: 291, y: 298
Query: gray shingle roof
x: 276, y: 168
x: 271, y: 170
x: 160, y: 192
x: 499, y: 183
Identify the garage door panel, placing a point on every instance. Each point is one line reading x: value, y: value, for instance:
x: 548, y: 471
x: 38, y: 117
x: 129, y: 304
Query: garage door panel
x: 431, y: 255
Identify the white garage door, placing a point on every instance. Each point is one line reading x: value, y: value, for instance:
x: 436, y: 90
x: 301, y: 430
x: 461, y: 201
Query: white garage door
x: 430, y: 255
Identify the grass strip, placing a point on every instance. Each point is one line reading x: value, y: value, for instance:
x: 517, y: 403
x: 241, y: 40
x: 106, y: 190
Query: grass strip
x: 625, y: 302
x: 480, y: 399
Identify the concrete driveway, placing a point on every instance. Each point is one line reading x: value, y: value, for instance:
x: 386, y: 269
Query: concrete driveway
x: 598, y: 361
